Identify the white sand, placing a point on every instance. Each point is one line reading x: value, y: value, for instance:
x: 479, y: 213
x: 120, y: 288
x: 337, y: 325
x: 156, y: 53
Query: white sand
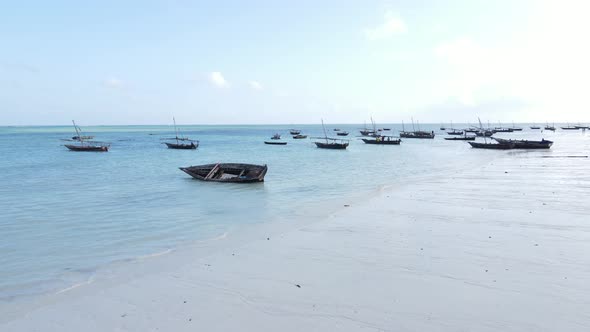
x: 483, y: 250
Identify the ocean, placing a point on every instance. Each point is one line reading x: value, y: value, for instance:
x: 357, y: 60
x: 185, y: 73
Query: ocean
x: 64, y: 215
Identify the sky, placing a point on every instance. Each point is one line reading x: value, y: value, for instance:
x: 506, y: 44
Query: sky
x: 256, y: 62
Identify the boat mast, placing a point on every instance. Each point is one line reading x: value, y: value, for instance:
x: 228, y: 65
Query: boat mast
x: 413, y: 128
x: 403, y: 126
x: 78, y: 133
x: 482, y: 131
x: 175, y: 130
x: 325, y: 134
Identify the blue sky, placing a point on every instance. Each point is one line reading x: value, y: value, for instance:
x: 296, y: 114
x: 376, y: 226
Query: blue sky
x: 141, y: 62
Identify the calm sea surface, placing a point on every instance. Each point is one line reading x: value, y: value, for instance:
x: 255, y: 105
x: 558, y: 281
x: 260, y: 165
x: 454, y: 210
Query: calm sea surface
x: 65, y: 214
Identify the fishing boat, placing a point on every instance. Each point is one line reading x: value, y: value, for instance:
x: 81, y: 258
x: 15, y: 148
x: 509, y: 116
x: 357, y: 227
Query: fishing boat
x: 535, y: 127
x: 275, y: 143
x: 294, y: 131
x: 182, y: 143
x: 582, y: 127
x: 388, y: 129
x: 526, y: 144
x: 471, y: 130
x: 492, y: 146
x: 342, y: 133
x: 383, y: 140
x: 331, y: 143
x: 276, y: 136
x: 515, y: 128
x: 484, y: 133
x: 336, y: 129
x: 86, y: 146
x: 456, y: 132
x: 227, y: 172
x: 548, y: 127
x: 415, y: 133
x: 462, y: 138
x: 568, y: 127
x: 299, y: 136
x: 366, y: 131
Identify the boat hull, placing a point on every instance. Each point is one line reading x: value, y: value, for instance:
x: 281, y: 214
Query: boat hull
x: 87, y: 148
x: 227, y: 172
x: 524, y: 144
x: 275, y: 143
x: 331, y: 146
x: 375, y: 142
x: 416, y: 134
x: 299, y: 136
x: 181, y: 146
x: 489, y: 146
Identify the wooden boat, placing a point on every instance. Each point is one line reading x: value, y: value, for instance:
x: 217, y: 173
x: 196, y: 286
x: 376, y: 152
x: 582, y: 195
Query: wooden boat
x: 275, y: 143
x: 455, y: 132
x: 484, y: 133
x: 492, y: 146
x: 182, y: 146
x: 582, y: 127
x: 342, y: 133
x: 299, y: 136
x: 179, y: 145
x: 503, y: 130
x: 294, y: 131
x: 388, y: 129
x: 336, y: 129
x: 471, y: 130
x: 548, y: 127
x: 415, y: 133
x: 227, y: 172
x: 526, y: 144
x: 568, y: 127
x: 85, y: 146
x: 382, y: 140
x: 535, y: 127
x: 464, y: 138
x: 276, y: 136
x: 366, y: 131
x: 331, y: 143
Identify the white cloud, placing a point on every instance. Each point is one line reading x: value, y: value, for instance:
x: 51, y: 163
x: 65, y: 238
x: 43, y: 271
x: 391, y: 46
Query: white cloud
x: 113, y: 82
x: 218, y: 80
x: 255, y: 85
x: 393, y: 25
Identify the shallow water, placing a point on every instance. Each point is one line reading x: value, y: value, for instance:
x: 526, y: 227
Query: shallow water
x: 65, y: 214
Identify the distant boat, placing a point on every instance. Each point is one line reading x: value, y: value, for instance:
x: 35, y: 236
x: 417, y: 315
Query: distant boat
x: 568, y: 127
x: 179, y: 145
x: 85, y: 146
x: 548, y: 127
x: 485, y: 133
x: 336, y: 129
x: 382, y: 140
x: 299, y: 136
x: 463, y: 138
x: 514, y: 128
x: 471, y: 130
x: 582, y: 127
x: 387, y: 129
x: 331, y: 143
x: 415, y: 133
x: 275, y: 143
x: 342, y: 133
x: 227, y: 172
x: 525, y: 144
x: 366, y: 131
x: 535, y: 127
x: 77, y: 138
x: 489, y: 146
x: 276, y: 136
x: 455, y: 132
x: 294, y: 131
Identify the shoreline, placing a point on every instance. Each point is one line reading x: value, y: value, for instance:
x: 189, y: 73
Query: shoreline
x: 437, y: 254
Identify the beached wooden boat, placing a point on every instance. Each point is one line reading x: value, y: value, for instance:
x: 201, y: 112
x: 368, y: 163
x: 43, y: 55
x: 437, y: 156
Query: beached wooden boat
x: 275, y: 143
x: 294, y: 131
x: 464, y: 138
x: 526, y: 144
x: 299, y: 136
x: 383, y: 140
x: 492, y: 146
x: 85, y: 146
x: 342, y: 133
x: 227, y: 172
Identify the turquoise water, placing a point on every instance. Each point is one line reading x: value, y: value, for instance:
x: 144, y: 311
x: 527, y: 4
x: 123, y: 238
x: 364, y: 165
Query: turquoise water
x: 65, y: 214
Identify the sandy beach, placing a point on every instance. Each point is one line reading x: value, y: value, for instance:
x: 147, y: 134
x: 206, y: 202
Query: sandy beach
x: 501, y: 247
